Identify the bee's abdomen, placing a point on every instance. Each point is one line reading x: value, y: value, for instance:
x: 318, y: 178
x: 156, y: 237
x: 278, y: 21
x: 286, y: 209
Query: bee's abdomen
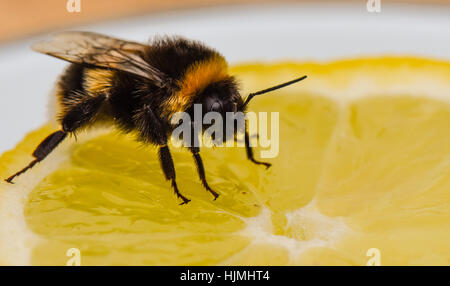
x: 70, y: 82
x: 97, y: 81
x: 79, y: 83
x: 124, y: 100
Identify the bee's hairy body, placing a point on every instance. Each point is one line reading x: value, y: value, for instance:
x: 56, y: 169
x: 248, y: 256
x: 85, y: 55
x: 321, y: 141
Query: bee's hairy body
x: 139, y: 88
x: 123, y: 99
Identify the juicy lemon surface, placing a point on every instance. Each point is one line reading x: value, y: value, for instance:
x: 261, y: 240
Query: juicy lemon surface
x: 363, y: 164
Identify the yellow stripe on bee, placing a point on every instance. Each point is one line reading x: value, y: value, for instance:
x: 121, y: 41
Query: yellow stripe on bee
x: 196, y: 78
x: 97, y: 81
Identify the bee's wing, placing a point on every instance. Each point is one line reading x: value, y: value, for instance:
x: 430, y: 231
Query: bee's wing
x: 101, y: 51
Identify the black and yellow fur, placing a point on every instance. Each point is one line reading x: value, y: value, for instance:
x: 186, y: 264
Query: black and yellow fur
x: 87, y: 94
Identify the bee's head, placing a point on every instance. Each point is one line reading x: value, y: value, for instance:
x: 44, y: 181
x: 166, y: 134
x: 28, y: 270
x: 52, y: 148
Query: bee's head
x: 222, y: 97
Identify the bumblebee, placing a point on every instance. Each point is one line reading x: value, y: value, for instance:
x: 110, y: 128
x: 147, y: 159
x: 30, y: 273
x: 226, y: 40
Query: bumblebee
x: 139, y: 87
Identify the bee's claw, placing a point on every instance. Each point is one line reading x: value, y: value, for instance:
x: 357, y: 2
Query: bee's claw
x: 185, y: 202
x: 268, y: 165
x: 216, y: 195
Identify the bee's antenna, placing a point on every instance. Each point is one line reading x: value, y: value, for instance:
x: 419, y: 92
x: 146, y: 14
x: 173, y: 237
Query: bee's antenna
x: 251, y: 95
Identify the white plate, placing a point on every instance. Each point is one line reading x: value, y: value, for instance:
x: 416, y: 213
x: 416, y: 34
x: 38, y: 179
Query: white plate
x: 244, y: 33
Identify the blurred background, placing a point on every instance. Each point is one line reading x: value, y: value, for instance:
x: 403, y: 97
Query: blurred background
x: 26, y: 17
x: 242, y: 30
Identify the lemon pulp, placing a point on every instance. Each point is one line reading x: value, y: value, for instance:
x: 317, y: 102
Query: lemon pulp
x: 364, y: 163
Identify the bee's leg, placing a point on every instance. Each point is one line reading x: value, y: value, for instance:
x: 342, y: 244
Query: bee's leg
x: 169, y: 171
x: 76, y: 116
x: 151, y: 130
x: 201, y: 170
x: 45, y: 148
x: 82, y: 113
x: 249, y: 150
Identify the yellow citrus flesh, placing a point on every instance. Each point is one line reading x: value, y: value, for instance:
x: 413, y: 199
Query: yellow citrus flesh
x: 364, y: 162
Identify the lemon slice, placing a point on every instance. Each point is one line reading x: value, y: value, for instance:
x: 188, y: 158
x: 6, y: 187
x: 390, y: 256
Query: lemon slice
x: 362, y: 177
